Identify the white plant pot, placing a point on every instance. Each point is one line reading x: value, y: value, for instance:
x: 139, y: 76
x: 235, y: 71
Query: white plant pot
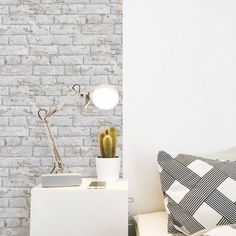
x: 108, y: 169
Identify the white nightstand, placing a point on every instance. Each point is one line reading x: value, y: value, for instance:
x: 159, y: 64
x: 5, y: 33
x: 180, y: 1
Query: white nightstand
x: 79, y: 211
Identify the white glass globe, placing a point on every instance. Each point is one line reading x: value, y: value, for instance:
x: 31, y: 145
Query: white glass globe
x: 105, y: 97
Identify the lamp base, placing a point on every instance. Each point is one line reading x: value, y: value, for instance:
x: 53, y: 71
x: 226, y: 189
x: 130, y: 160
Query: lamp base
x: 61, y: 180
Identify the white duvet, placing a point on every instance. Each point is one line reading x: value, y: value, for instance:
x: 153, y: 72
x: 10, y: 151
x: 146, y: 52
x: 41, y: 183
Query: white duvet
x: 154, y: 224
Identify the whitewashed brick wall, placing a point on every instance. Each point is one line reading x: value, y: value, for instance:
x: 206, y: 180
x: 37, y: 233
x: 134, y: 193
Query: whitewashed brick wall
x: 45, y: 47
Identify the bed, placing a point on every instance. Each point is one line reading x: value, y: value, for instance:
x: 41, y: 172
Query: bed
x: 154, y: 224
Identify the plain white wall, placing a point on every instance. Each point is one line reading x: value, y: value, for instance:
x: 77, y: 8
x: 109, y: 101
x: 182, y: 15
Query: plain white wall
x: 179, y: 86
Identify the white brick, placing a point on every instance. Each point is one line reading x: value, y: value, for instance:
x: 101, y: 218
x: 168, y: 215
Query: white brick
x: 1, y: 223
x: 40, y: 39
x: 82, y: 80
x: 70, y: 19
x: 3, y: 202
x: 40, y: 29
x: 73, y: 50
x: 14, y: 192
x: 43, y: 50
x: 4, y: 172
x: 62, y: 39
x: 35, y: 9
x: 40, y: 131
x: 18, y: 202
x: 13, y: 141
x: 48, y: 70
x: 13, y: 50
x: 12, y: 60
x: 17, y: 40
x: 118, y: 29
x: 16, y: 70
x: 48, y: 80
x: 41, y: 101
x: 89, y: 151
x: 4, y: 10
x: 97, y: 39
x: 46, y: 151
x: 98, y: 121
x: 13, y: 131
x: 20, y: 181
x: 49, y: 39
x: 76, y: 161
x: 11, y: 111
x: 116, y: 8
x: 12, y: 222
x: 35, y: 60
x: 112, y: 18
x: 3, y: 92
x: 51, y: 90
x: 15, y: 101
x: 97, y: 29
x: 25, y: 222
x: 106, y: 49
x: 69, y: 9
x: 14, y: 231
x: 44, y: 19
x: 69, y: 141
x: 17, y: 19
x: 16, y: 212
x: 65, y: 29
x: 65, y: 1
x: 99, y: 60
x: 72, y: 151
x: 97, y: 80
x: 93, y: 9
x: 24, y: 171
x: 19, y: 161
x: 67, y: 60
x: 96, y: 70
x: 93, y: 19
x: 72, y: 70
x: 9, y: 2
x: 3, y: 40
x: 16, y: 151
x: 17, y: 121
x: 73, y: 131
x: 2, y: 143
x: 14, y: 29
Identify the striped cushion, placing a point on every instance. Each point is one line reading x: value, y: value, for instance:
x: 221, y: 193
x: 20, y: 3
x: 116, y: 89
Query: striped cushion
x: 199, y: 193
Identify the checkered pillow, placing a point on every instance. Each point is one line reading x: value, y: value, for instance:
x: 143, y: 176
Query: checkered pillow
x: 199, y: 193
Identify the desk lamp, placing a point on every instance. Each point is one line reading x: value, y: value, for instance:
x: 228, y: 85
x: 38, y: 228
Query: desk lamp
x: 104, y: 97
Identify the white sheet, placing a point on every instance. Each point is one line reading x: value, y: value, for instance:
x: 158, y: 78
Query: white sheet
x: 152, y: 224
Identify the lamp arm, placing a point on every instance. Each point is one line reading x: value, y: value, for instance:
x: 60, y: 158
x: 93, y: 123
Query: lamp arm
x: 58, y: 165
x: 73, y: 92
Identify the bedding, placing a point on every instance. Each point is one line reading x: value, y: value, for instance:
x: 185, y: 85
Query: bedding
x: 155, y: 224
x: 152, y: 224
x: 200, y: 194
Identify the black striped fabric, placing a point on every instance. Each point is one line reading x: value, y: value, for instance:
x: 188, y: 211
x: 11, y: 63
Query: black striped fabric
x: 199, y: 193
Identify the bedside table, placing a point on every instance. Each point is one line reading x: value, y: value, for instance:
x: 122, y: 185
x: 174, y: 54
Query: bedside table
x: 79, y: 211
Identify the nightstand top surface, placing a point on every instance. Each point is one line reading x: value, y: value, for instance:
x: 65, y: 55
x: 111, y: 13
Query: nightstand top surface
x: 120, y: 185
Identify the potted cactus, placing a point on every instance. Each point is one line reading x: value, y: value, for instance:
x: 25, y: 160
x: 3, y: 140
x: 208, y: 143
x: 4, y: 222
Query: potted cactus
x: 108, y: 164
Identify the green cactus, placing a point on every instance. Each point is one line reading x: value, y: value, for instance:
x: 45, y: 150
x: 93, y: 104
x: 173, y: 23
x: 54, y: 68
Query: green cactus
x: 107, y: 146
x: 112, y: 133
x: 101, y: 137
x: 108, y: 142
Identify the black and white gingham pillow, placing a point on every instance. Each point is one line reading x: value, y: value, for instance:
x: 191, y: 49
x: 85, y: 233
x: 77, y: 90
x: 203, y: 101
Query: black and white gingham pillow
x: 199, y: 193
